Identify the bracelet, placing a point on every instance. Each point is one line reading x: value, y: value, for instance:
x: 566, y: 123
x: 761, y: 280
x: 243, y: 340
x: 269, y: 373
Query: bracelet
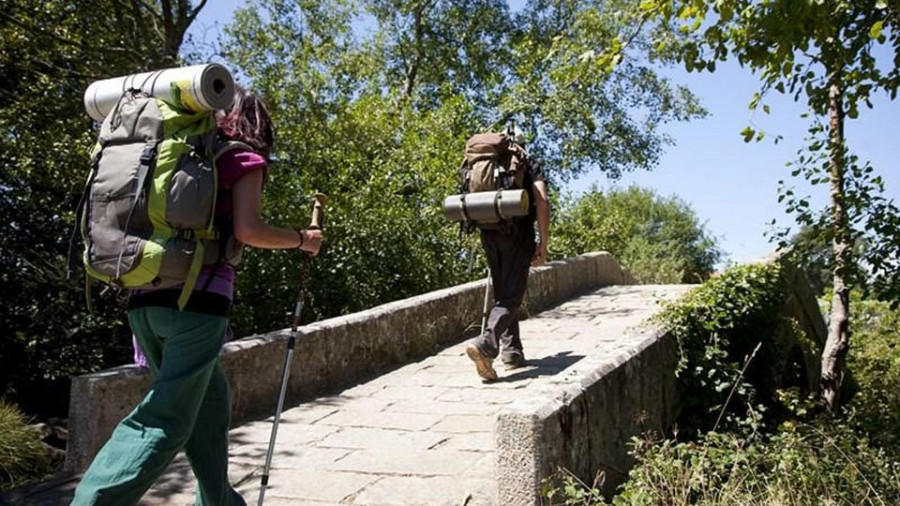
x: 302, y: 237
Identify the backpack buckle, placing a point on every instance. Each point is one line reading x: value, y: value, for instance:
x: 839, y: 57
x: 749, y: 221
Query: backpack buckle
x: 148, y: 154
x: 188, y: 237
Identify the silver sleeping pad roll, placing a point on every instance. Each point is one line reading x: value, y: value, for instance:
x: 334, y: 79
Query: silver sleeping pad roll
x: 196, y: 88
x: 486, y: 207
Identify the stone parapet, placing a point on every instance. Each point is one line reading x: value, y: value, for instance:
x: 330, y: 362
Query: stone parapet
x: 586, y: 424
x: 332, y: 353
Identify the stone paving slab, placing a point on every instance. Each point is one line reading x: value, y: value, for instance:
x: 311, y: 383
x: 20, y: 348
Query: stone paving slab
x: 421, y: 434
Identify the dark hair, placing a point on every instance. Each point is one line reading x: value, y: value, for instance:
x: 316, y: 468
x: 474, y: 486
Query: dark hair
x: 248, y: 121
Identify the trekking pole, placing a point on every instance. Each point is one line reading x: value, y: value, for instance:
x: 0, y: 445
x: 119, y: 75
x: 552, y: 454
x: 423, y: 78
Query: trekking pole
x: 315, y: 224
x: 487, y: 289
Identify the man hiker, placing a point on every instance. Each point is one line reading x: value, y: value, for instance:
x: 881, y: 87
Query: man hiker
x: 510, y: 249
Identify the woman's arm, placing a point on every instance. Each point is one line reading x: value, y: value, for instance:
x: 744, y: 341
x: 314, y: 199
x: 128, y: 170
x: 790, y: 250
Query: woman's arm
x: 250, y: 229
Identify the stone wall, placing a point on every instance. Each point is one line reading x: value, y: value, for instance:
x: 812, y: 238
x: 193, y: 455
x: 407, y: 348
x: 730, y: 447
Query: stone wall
x: 330, y: 354
x: 587, y: 425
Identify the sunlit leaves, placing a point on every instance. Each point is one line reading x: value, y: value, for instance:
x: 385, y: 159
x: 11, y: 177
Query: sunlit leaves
x: 659, y: 240
x: 51, y: 51
x: 378, y: 122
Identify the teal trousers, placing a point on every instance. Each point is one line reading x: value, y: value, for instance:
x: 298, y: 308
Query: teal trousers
x: 188, y: 406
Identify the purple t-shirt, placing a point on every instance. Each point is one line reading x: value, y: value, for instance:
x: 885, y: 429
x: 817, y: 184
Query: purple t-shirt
x: 231, y: 167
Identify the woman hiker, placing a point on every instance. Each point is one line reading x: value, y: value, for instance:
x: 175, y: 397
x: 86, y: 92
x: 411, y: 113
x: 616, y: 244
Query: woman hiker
x: 188, y: 404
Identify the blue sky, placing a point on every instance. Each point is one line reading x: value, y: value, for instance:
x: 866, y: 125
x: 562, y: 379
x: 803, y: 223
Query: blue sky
x: 731, y: 185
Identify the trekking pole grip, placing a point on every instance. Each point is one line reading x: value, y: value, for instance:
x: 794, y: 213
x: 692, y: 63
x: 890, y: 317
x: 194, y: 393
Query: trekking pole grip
x: 318, y: 211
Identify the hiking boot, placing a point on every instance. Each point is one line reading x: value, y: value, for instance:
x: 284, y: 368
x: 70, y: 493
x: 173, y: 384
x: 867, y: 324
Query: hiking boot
x: 513, y: 360
x: 483, y: 364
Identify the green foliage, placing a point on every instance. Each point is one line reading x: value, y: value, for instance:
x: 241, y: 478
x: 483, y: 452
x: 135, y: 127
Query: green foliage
x: 576, y: 82
x: 827, y: 52
x: 378, y: 123
x: 565, y: 489
x: 376, y: 120
x: 22, y: 455
x: 386, y: 238
x: 809, y: 458
x: 800, y: 465
x: 51, y: 52
x: 872, y: 228
x: 717, y: 327
x: 800, y: 48
x: 875, y: 362
x: 659, y: 240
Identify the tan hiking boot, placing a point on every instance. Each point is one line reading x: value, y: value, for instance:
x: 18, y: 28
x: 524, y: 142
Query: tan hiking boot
x: 483, y: 365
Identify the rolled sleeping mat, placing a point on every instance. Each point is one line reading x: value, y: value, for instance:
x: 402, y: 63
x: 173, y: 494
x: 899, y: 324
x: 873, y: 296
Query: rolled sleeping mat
x: 486, y: 207
x: 196, y: 88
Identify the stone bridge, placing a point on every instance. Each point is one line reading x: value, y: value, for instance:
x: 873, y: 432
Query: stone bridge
x: 384, y: 408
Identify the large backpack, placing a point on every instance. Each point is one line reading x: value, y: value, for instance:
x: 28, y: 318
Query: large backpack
x: 492, y: 162
x: 148, y: 210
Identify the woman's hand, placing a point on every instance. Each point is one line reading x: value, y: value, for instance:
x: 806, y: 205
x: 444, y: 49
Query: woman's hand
x: 312, y: 241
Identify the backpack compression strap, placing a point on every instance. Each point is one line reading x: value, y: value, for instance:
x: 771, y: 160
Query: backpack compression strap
x: 203, y: 236
x: 200, y: 237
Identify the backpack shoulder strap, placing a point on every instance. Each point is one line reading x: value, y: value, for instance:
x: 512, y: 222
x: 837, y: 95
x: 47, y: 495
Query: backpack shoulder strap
x: 517, y: 150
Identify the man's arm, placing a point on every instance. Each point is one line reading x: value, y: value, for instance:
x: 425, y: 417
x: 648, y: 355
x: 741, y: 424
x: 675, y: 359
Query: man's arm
x: 542, y: 206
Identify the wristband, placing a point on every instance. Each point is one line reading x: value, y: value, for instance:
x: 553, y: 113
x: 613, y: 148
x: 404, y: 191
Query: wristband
x: 302, y: 237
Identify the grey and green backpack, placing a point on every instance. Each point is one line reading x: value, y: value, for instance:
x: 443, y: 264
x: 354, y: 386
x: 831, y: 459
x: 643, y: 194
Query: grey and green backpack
x: 147, y: 215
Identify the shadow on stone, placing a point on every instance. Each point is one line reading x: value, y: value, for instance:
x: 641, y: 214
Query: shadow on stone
x: 57, y: 491
x: 547, y: 366
x: 569, y: 313
x: 178, y: 479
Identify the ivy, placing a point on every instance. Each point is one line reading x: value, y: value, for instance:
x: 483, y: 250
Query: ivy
x: 717, y: 327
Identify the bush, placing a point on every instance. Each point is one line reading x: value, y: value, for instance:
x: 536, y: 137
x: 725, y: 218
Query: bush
x: 718, y: 326
x: 22, y: 455
x: 659, y: 240
x: 874, y: 362
x: 802, y: 464
x: 808, y: 458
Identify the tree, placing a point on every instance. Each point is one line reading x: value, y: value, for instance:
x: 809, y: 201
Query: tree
x: 581, y: 80
x: 378, y: 122
x: 51, y: 51
x: 659, y: 240
x: 442, y: 47
x: 342, y: 131
x: 827, y: 52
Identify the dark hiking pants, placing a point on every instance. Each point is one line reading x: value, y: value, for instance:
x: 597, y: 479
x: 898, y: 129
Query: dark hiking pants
x: 509, y: 257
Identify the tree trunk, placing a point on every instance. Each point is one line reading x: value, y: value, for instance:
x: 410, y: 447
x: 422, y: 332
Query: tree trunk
x: 838, y: 343
x: 413, y: 68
